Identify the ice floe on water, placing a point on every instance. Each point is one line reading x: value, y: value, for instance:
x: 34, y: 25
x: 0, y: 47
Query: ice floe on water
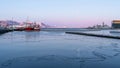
x: 43, y: 61
x: 56, y: 50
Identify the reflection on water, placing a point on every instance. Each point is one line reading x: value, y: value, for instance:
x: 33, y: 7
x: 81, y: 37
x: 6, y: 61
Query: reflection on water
x: 32, y: 36
x: 57, y: 50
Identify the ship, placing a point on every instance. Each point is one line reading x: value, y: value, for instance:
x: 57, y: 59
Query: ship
x: 32, y: 27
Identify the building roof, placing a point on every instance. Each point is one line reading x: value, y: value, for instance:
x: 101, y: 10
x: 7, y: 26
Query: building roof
x: 116, y: 21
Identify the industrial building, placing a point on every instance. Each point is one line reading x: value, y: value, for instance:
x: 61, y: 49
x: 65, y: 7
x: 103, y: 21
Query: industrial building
x: 116, y: 24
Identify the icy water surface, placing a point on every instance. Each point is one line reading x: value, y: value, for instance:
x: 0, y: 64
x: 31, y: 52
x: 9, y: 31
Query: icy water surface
x: 46, y: 49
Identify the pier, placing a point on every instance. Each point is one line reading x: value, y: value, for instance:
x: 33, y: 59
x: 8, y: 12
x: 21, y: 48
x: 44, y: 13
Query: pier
x: 2, y: 31
x: 94, y: 35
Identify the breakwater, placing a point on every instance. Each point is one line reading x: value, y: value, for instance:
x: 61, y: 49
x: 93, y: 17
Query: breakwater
x: 94, y: 35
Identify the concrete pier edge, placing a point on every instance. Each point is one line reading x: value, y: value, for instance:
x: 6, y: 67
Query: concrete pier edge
x: 4, y: 31
x: 94, y: 35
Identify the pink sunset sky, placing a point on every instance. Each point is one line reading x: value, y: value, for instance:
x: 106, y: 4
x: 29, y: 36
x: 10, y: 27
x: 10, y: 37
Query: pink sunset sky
x: 70, y: 13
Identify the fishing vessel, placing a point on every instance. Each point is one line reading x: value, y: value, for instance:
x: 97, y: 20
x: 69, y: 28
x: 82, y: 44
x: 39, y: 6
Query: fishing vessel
x: 32, y: 27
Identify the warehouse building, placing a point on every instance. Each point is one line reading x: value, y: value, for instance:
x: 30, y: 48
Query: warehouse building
x: 116, y: 24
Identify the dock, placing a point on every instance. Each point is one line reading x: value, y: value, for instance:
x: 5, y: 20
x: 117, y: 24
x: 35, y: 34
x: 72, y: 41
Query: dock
x: 94, y: 35
x: 2, y: 31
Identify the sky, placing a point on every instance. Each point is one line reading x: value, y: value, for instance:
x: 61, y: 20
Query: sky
x: 70, y: 13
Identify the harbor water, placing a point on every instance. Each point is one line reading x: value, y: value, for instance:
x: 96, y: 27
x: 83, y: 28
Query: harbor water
x: 56, y: 49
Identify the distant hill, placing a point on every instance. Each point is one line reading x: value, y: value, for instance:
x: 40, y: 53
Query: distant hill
x: 9, y: 22
x: 43, y: 25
